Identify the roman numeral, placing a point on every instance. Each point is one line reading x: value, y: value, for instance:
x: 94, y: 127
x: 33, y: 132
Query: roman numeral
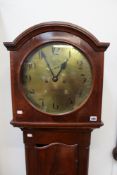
x: 55, y: 50
x: 69, y: 54
x: 32, y: 91
x: 84, y: 79
x: 70, y: 101
x: 42, y: 55
x: 80, y: 64
x: 41, y: 102
x: 27, y: 78
x: 55, y: 106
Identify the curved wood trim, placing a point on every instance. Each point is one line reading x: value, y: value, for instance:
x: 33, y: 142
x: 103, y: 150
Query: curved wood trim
x: 54, y: 144
x: 56, y: 26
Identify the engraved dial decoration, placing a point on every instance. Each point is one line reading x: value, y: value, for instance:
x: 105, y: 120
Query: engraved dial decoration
x: 56, y: 78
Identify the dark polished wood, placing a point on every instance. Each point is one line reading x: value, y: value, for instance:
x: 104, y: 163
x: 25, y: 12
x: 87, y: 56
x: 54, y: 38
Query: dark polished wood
x: 57, y: 158
x: 57, y: 151
x: 56, y: 144
x: 44, y: 33
x: 56, y: 26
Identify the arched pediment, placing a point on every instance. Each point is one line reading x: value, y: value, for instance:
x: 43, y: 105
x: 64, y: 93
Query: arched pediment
x: 56, y: 26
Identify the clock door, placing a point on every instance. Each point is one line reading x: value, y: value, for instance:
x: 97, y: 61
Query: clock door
x: 57, y: 151
x: 59, y: 159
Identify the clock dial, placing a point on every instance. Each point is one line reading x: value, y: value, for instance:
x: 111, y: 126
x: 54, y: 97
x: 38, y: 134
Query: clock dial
x: 56, y: 78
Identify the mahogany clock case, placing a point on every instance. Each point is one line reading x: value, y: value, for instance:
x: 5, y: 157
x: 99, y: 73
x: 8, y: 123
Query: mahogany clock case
x: 25, y: 114
x: 57, y: 143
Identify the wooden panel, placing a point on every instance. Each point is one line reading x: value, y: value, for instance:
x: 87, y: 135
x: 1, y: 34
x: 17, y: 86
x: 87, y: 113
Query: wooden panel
x: 48, y: 136
x: 30, y: 160
x: 57, y: 159
x: 83, y: 153
x: 69, y: 149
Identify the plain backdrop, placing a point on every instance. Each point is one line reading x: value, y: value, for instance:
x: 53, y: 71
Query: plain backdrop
x: 97, y: 16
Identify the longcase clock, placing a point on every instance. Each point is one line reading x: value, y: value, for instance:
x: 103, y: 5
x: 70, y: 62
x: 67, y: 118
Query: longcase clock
x: 56, y: 80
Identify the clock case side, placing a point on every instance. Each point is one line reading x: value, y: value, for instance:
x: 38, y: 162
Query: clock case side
x: 23, y: 41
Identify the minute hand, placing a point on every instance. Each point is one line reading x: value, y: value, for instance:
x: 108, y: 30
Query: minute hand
x: 44, y: 57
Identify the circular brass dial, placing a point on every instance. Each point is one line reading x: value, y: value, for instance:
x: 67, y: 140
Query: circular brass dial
x: 56, y: 78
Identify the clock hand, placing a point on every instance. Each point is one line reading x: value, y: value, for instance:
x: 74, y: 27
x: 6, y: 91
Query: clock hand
x: 63, y: 66
x: 44, y: 57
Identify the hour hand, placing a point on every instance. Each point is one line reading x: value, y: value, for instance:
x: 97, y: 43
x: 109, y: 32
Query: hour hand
x: 62, y: 67
x: 64, y: 64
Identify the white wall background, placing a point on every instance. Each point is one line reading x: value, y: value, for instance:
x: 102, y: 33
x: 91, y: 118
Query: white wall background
x: 97, y: 16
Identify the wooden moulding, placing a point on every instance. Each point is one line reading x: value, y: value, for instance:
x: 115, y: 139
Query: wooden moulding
x: 57, y: 125
x: 56, y: 26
